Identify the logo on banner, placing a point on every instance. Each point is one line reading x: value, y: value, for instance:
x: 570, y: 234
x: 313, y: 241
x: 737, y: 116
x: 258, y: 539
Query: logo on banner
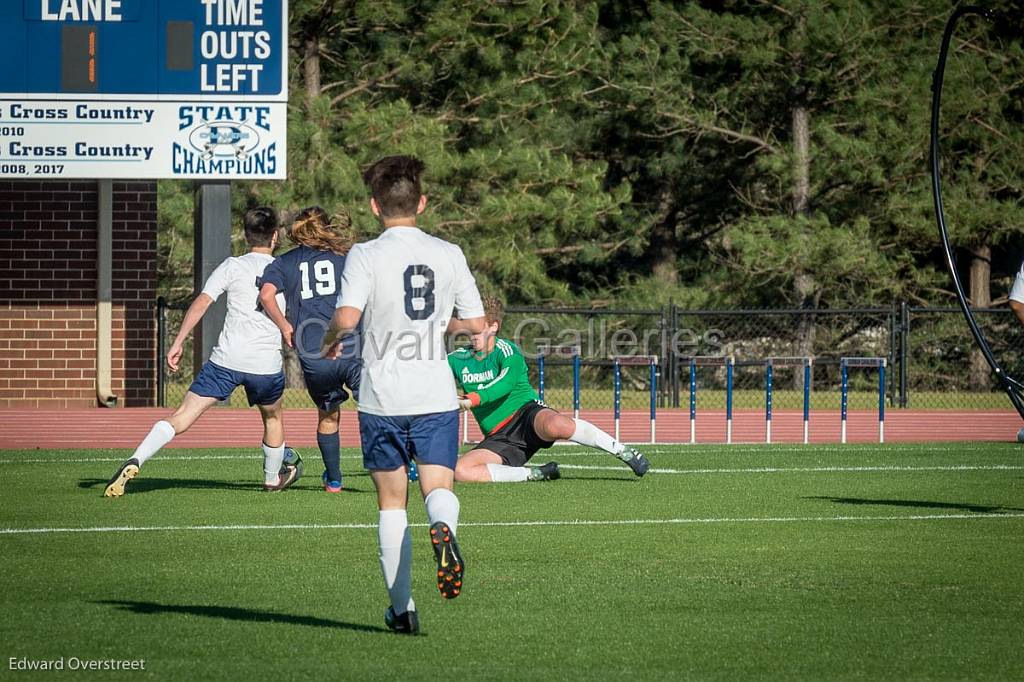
x: 224, y: 141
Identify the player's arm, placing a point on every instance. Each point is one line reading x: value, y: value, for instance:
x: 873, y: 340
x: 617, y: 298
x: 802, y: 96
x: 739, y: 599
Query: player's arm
x: 512, y: 367
x: 216, y: 285
x: 467, y: 299
x: 193, y: 315
x: 1017, y: 296
x: 356, y: 282
x: 453, y: 365
x: 344, y: 321
x: 1018, y: 309
x: 471, y: 325
x: 268, y: 299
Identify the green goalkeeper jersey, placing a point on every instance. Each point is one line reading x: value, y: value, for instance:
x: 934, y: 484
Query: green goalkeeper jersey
x: 498, y: 383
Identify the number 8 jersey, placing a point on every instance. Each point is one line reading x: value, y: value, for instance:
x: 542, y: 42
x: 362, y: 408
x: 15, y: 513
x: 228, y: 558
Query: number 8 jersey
x: 408, y: 285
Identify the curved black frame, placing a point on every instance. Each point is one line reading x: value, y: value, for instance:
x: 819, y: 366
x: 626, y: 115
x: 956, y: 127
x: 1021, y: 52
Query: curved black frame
x: 1012, y: 386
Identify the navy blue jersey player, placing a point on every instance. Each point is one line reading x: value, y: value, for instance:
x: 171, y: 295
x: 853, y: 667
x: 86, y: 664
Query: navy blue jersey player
x: 309, y: 276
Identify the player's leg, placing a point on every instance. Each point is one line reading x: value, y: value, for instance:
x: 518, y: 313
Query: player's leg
x: 212, y: 384
x: 384, y: 456
x: 435, y: 442
x: 481, y: 465
x: 553, y: 426
x: 472, y: 466
x: 328, y: 439
x: 267, y: 393
x: 324, y: 379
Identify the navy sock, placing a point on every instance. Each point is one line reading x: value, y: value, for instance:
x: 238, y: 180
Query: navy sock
x: 330, y: 450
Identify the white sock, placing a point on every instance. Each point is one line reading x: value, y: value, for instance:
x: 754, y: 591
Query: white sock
x: 506, y: 474
x: 442, y: 505
x: 159, y: 436
x: 396, y: 558
x: 588, y: 434
x: 273, y: 458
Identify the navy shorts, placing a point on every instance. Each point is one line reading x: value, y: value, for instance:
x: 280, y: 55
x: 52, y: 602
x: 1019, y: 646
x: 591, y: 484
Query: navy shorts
x: 393, y: 442
x: 324, y: 379
x: 214, y: 381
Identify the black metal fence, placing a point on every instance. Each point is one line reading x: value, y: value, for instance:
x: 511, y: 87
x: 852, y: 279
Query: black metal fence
x: 932, y: 359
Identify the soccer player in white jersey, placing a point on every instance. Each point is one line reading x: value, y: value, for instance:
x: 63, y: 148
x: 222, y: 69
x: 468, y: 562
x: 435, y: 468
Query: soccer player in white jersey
x: 248, y: 353
x: 406, y: 285
x: 1017, y: 295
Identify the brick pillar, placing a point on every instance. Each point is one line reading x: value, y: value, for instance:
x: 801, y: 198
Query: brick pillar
x: 48, y: 290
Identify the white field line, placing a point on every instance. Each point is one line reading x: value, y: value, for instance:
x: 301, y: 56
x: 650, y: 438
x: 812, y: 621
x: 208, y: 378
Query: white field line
x: 829, y: 469
x: 515, y: 524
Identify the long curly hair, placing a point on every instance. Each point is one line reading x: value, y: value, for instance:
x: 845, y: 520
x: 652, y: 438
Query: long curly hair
x: 315, y: 228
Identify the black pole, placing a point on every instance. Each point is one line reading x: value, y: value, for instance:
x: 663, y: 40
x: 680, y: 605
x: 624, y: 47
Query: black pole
x: 161, y: 350
x: 1010, y: 385
x: 904, y: 343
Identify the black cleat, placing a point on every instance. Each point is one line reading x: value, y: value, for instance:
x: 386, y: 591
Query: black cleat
x: 128, y: 471
x: 407, y: 623
x: 546, y: 472
x: 637, y: 462
x: 450, y: 566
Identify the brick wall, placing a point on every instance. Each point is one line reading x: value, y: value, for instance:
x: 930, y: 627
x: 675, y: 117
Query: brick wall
x: 48, y: 293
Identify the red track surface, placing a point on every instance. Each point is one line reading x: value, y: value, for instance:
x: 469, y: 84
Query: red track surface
x: 221, y: 427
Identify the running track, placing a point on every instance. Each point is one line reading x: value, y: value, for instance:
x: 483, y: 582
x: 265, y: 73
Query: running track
x: 223, y: 427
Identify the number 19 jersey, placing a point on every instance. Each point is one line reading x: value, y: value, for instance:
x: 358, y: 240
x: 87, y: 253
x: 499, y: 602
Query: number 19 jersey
x: 408, y: 285
x: 310, y: 280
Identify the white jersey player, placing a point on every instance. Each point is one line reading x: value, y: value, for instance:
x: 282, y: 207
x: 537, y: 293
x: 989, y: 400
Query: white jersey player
x: 406, y: 286
x: 1017, y: 295
x: 248, y: 354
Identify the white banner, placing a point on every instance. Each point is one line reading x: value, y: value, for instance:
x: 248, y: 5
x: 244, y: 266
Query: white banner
x: 143, y: 139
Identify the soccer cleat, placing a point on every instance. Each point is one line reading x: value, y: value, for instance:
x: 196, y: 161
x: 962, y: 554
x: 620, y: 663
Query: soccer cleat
x: 450, y: 566
x: 413, y: 472
x: 407, y: 623
x: 288, y: 475
x: 331, y: 486
x: 545, y: 472
x: 128, y: 471
x: 637, y: 462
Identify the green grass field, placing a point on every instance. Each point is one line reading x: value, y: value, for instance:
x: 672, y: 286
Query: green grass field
x: 897, y: 562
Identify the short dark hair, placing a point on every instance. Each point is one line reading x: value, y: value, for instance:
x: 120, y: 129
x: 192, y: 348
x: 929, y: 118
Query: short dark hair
x: 394, y: 183
x: 260, y: 224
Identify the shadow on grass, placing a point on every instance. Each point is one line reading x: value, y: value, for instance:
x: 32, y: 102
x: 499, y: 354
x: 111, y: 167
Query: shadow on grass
x: 148, y: 484
x: 145, y: 608
x: 569, y: 476
x: 979, y: 508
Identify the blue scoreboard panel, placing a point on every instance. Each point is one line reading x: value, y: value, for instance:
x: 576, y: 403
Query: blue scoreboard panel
x: 143, y: 88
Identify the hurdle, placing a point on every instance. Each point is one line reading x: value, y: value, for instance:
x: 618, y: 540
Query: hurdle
x: 651, y: 361
x: 770, y: 365
x: 572, y: 351
x: 726, y: 361
x: 869, y: 363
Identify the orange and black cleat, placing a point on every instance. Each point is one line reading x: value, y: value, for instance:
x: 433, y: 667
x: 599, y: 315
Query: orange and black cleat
x: 450, y: 566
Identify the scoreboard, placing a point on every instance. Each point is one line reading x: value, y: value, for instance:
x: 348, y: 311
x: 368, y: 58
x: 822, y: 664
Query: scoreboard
x: 143, y: 89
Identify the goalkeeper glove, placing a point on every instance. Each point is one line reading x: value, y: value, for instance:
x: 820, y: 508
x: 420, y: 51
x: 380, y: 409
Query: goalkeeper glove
x: 468, y: 402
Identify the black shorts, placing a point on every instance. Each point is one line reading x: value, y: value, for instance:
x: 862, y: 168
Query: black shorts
x: 517, y: 441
